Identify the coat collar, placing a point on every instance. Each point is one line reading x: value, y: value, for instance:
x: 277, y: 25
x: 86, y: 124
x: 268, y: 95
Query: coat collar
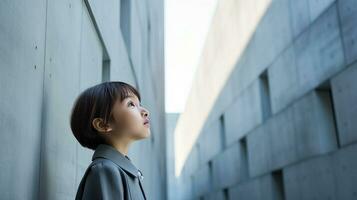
x: 109, y: 152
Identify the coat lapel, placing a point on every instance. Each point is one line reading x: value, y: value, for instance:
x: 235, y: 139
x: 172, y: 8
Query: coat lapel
x: 141, y: 176
x: 109, y: 152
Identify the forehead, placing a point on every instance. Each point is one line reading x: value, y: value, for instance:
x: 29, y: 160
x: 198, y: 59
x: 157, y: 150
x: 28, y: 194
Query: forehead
x: 123, y: 102
x: 132, y: 96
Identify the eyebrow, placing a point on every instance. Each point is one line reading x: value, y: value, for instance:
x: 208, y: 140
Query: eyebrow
x: 133, y: 96
x: 130, y: 95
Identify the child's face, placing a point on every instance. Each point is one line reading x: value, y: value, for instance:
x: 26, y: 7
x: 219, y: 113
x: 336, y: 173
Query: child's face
x: 129, y: 119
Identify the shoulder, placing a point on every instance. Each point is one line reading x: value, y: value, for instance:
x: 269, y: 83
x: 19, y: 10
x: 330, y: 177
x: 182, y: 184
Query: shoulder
x: 104, y: 181
x: 105, y: 172
x: 104, y: 164
x: 104, y: 167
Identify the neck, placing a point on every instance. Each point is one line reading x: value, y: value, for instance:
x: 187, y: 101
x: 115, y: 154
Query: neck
x: 121, y: 145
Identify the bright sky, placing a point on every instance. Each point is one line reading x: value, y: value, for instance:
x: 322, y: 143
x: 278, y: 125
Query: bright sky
x: 186, y: 26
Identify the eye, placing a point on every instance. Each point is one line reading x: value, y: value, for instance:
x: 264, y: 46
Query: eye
x: 131, y: 103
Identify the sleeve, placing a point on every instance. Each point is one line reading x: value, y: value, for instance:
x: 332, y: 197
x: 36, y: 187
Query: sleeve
x: 103, y: 182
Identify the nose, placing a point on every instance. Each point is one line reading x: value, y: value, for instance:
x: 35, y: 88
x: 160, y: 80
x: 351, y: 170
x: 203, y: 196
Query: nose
x: 145, y: 112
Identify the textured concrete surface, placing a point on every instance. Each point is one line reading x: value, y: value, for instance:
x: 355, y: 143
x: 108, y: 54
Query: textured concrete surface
x: 344, y: 93
x: 172, y: 180
x: 229, y: 167
x: 211, y: 142
x: 291, y: 97
x: 348, y: 13
x: 312, y: 179
x: 264, y: 187
x: 315, y: 55
x: 244, y: 114
x: 21, y: 85
x: 202, y: 180
x: 304, y: 12
x: 332, y: 176
x: 223, y: 46
x: 292, y: 135
x: 51, y: 51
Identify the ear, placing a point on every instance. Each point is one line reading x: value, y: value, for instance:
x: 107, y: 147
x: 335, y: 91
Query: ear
x: 100, y: 126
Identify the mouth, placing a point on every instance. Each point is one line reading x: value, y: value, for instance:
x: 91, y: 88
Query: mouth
x: 147, y: 123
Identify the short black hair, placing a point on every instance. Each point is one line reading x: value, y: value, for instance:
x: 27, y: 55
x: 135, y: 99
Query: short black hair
x: 97, y: 102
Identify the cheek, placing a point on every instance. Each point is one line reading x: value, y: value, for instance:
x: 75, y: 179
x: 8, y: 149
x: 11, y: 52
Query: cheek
x: 129, y: 120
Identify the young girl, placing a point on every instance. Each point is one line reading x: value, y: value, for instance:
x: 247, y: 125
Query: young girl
x: 107, y: 118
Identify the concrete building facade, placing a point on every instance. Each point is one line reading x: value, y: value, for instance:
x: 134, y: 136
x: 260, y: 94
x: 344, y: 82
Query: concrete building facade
x: 171, y: 120
x: 284, y: 124
x: 52, y: 50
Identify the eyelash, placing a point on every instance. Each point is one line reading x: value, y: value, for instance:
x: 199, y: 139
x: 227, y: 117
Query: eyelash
x: 131, y: 103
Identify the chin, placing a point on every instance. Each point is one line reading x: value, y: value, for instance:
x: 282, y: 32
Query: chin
x: 145, y: 134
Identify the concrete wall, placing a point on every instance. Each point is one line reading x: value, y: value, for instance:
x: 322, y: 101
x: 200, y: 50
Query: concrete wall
x: 286, y: 116
x: 171, y: 120
x: 50, y: 52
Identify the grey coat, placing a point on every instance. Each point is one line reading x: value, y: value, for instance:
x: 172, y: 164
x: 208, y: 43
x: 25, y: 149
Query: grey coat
x: 111, y: 175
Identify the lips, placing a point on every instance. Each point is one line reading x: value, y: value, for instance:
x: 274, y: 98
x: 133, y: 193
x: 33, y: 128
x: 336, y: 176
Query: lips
x: 146, y: 122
